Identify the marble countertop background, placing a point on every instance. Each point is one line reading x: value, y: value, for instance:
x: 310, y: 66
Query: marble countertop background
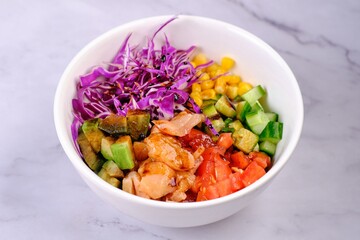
x: 317, y: 194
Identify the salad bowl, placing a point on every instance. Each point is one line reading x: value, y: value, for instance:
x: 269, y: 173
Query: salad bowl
x: 256, y: 62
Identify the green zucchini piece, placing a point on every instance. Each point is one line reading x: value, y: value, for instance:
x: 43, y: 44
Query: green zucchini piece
x: 254, y: 94
x: 89, y: 155
x: 123, y: 152
x: 268, y: 147
x: 210, y: 111
x: 242, y: 108
x: 114, y: 124
x: 224, y: 107
x: 93, y: 133
x: 272, y: 132
x: 245, y: 140
x: 257, y: 121
x: 138, y: 123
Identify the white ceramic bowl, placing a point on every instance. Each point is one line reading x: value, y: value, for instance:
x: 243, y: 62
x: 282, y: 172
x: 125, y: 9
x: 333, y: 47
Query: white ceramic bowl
x: 256, y: 62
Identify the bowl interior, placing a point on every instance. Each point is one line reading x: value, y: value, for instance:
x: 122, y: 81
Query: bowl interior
x: 256, y: 63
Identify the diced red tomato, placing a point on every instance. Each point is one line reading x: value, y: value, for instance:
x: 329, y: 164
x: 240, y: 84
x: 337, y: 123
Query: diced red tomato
x: 225, y: 140
x: 222, y: 169
x: 260, y: 158
x: 236, y: 181
x: 252, y: 173
x: 224, y: 187
x: 239, y: 160
x: 207, y: 166
x: 211, y: 192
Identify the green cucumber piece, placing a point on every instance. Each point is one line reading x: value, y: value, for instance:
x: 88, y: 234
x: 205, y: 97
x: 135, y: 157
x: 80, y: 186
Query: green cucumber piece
x: 123, y: 153
x: 242, y: 108
x: 267, y: 147
x: 224, y: 107
x: 210, y: 111
x: 257, y: 107
x: 254, y: 94
x: 245, y: 140
x: 256, y: 121
x: 272, y: 132
x: 272, y: 116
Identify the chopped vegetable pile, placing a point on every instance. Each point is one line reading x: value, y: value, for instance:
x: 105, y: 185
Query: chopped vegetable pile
x: 167, y: 125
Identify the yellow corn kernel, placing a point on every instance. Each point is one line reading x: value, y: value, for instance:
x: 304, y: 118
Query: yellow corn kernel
x: 207, y: 84
x: 198, y: 101
x: 196, y: 96
x: 213, y: 67
x: 233, y: 79
x: 220, y: 85
x: 204, y: 77
x: 208, y: 94
x: 231, y: 91
x: 227, y: 63
x: 193, y: 64
x: 243, y: 87
x: 199, y: 59
x: 216, y: 73
x: 196, y: 87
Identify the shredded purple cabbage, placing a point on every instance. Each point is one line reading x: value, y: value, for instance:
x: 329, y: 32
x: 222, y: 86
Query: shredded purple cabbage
x: 146, y: 78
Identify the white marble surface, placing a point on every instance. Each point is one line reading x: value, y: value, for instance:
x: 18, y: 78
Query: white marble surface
x: 317, y: 194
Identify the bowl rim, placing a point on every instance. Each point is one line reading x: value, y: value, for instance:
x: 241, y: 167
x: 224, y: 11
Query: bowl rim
x: 78, y: 163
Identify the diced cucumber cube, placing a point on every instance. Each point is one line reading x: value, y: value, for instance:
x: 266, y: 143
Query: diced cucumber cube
x: 210, y: 111
x: 254, y: 94
x: 268, y: 147
x: 272, y: 116
x: 242, y: 108
x: 257, y: 107
x: 224, y: 107
x: 257, y: 121
x: 272, y: 132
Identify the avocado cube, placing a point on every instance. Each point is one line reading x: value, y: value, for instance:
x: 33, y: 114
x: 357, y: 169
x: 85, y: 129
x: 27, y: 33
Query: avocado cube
x: 138, y: 123
x: 123, y: 152
x: 106, y: 177
x: 112, y: 169
x: 89, y: 155
x: 245, y: 140
x: 114, y: 124
x: 106, y: 143
x: 93, y: 133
